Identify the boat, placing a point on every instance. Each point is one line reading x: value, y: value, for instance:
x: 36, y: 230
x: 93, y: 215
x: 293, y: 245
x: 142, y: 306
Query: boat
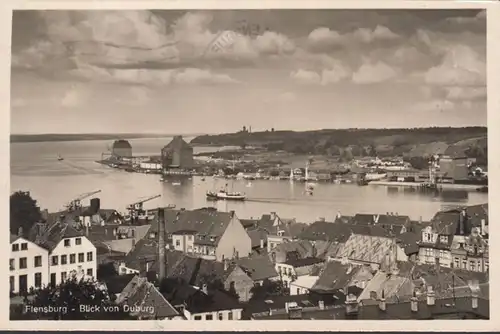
x: 375, y: 176
x: 176, y: 183
x: 225, y: 195
x: 59, y: 158
x: 203, y: 179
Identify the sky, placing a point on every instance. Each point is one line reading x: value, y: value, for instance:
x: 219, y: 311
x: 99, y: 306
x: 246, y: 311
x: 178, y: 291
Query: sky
x: 187, y: 72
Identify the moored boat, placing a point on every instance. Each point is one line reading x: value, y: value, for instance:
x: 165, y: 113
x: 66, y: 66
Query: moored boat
x: 224, y: 195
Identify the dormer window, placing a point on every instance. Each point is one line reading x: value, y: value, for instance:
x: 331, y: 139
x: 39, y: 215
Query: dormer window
x: 67, y: 242
x: 443, y: 239
x: 281, y: 233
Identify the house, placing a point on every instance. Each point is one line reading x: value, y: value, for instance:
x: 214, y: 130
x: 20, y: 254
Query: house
x: 303, y: 284
x: 178, y: 154
x: 336, y: 277
x: 371, y: 250
x: 280, y: 230
x: 28, y: 265
x: 118, y: 238
x: 340, y: 230
x: 451, y: 230
x: 202, y: 303
x: 295, y: 266
x: 243, y: 274
x: 206, y: 233
x: 392, y: 222
x: 470, y: 252
x: 143, y: 300
x: 70, y: 250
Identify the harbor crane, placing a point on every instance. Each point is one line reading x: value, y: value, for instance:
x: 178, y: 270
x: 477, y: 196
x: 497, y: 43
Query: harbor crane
x: 76, y: 203
x: 136, y: 210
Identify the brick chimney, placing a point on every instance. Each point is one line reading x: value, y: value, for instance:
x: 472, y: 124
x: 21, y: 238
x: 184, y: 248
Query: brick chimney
x: 161, y: 242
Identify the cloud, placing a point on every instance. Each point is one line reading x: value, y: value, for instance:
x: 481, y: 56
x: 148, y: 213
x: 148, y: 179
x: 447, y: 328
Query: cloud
x: 74, y: 97
x: 435, y: 106
x: 460, y: 66
x: 306, y: 77
x: 324, y: 38
x: 374, y: 73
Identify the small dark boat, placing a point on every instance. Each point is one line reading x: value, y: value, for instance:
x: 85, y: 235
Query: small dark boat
x: 59, y: 158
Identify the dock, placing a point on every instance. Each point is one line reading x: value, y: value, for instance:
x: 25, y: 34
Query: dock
x: 446, y: 186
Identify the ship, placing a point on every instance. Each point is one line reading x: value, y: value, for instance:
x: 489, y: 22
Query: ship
x: 59, y: 158
x: 225, y: 195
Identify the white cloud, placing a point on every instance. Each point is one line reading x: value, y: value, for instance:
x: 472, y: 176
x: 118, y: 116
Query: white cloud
x: 435, y: 105
x: 461, y: 66
x: 306, y: 77
x: 274, y: 43
x: 466, y: 93
x: 322, y: 38
x: 374, y: 73
x: 73, y: 97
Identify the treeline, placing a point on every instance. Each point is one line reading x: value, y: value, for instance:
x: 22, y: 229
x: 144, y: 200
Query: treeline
x: 350, y: 142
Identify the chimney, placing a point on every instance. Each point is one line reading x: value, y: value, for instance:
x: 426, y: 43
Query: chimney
x: 351, y: 305
x: 231, y: 213
x: 20, y: 231
x: 431, y: 296
x: 205, y: 289
x: 483, y: 227
x: 86, y: 231
x: 474, y: 287
x: 226, y: 264
x: 261, y: 243
x: 339, y: 215
x: 420, y: 220
x: 273, y: 215
x: 321, y: 305
x: 414, y: 302
x: 382, y: 304
x: 147, y: 266
x: 161, y: 242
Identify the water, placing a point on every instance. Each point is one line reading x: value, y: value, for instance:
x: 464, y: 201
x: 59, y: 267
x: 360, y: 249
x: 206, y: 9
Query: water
x: 34, y: 168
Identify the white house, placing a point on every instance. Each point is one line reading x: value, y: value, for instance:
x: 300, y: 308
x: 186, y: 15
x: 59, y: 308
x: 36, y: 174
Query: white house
x: 70, y: 252
x: 28, y: 265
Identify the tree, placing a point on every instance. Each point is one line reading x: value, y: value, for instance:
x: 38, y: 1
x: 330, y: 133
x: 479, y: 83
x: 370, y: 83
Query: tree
x: 268, y: 289
x: 74, y: 299
x: 24, y: 212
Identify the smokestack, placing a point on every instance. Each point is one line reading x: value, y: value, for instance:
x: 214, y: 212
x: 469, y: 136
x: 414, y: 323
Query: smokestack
x: 161, y: 241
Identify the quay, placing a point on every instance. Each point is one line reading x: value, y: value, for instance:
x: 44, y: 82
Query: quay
x: 452, y: 186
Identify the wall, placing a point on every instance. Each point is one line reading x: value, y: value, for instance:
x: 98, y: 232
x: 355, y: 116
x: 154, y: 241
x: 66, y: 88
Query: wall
x: 30, y: 253
x: 235, y: 238
x: 297, y: 290
x: 85, y: 247
x: 242, y: 284
x: 215, y: 315
x: 183, y: 242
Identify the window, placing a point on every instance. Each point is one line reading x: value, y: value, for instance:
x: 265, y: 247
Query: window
x: 81, y: 257
x: 12, y: 282
x: 197, y: 317
x: 298, y: 291
x: 177, y: 243
x: 90, y: 257
x: 78, y: 241
x: 230, y: 316
x: 72, y: 258
x: 209, y: 317
x: 23, y: 263
x: 38, y: 280
x: 64, y: 259
x: 457, y: 262
x: 472, y: 265
x: 67, y: 243
x: 464, y: 264
x: 15, y: 247
x: 12, y: 264
x: 38, y: 261
x: 89, y: 272
x: 55, y: 260
x: 190, y: 237
x: 443, y: 239
x: 24, y: 246
x: 64, y: 276
x: 221, y: 316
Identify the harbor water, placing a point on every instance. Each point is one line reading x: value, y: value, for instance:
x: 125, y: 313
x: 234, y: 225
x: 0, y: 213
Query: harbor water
x: 53, y: 183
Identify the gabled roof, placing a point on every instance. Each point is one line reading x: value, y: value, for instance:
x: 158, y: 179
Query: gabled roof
x: 340, y: 232
x: 369, y: 249
x: 256, y: 235
x: 257, y: 267
x: 204, y: 222
x: 56, y: 233
x: 334, y: 276
x: 13, y: 237
x: 390, y: 284
x: 409, y: 242
x: 196, y: 301
x: 116, y: 284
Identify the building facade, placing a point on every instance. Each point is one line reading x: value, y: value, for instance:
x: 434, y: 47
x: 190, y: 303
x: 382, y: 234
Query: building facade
x: 28, y: 265
x: 454, y: 167
x: 177, y: 154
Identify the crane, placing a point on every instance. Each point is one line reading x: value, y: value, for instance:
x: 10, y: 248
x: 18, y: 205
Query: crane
x: 136, y: 210
x: 76, y: 203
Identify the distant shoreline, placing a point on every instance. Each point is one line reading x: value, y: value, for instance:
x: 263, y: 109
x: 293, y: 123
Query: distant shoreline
x: 38, y: 138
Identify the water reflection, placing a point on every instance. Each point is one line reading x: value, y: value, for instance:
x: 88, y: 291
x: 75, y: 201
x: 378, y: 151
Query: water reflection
x: 443, y: 195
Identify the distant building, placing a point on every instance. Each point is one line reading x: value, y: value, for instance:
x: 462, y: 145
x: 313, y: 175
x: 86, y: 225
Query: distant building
x: 177, y: 154
x: 122, y: 149
x: 454, y: 167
